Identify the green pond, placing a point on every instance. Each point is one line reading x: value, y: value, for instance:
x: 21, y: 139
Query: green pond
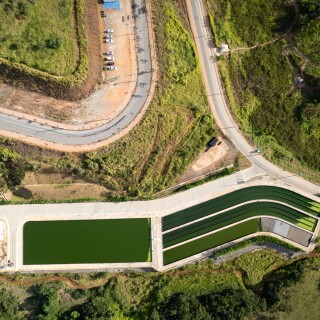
x: 208, y: 242
x: 86, y: 241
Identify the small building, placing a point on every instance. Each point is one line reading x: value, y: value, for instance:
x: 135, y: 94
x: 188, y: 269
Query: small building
x: 298, y: 80
x: 224, y: 49
x: 111, y: 4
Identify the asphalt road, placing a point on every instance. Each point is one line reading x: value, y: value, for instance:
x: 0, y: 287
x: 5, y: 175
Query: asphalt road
x: 70, y: 137
x: 219, y: 107
x: 214, y: 90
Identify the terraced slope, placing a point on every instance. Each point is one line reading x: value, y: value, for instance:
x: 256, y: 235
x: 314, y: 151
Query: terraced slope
x: 238, y: 197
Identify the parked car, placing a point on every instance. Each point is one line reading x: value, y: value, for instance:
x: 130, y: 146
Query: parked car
x: 110, y: 68
x: 108, y: 31
x: 212, y: 142
x: 108, y: 53
x: 110, y: 63
x: 108, y: 40
x: 110, y: 58
x: 108, y: 36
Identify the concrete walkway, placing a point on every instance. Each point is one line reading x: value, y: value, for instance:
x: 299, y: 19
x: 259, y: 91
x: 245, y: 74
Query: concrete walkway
x: 16, y: 215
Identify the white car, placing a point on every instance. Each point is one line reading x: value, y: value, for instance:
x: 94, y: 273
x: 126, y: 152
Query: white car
x: 108, y: 53
x: 108, y: 40
x: 110, y: 68
x: 110, y: 58
x: 108, y: 31
x: 109, y: 36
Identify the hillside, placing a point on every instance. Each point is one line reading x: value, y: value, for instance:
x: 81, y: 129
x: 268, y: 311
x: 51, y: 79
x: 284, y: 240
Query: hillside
x: 50, y: 47
x: 277, y: 112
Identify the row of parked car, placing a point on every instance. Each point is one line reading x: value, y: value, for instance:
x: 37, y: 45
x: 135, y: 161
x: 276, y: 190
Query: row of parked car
x: 108, y: 56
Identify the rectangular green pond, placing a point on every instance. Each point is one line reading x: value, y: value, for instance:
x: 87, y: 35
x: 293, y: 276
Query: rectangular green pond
x: 86, y: 241
x: 208, y: 242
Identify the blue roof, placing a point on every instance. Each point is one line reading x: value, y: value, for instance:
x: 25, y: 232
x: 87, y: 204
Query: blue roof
x: 111, y: 4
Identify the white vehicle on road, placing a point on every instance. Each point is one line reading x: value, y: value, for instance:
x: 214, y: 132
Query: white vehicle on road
x: 109, y: 68
x: 108, y: 53
x: 108, y: 40
x: 108, y: 31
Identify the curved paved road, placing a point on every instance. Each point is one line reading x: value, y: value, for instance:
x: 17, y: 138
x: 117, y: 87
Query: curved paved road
x: 69, y: 137
x: 198, y: 20
x: 215, y: 97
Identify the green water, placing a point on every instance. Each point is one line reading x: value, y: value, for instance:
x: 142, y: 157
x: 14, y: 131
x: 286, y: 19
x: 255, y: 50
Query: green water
x: 86, y: 241
x: 210, y: 241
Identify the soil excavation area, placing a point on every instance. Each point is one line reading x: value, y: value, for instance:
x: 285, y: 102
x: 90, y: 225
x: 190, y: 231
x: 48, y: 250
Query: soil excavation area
x: 86, y: 241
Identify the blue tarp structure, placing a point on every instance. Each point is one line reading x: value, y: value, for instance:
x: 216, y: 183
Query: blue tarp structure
x: 111, y: 4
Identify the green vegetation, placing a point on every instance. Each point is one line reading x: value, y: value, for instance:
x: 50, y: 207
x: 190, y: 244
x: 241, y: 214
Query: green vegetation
x: 201, y: 291
x: 282, y: 118
x: 238, y: 197
x: 12, y: 169
x: 200, y: 283
x: 210, y: 241
x: 86, y: 241
x: 301, y: 300
x: 8, y: 306
x: 171, y: 135
x: 225, y: 305
x: 308, y: 35
x: 259, y: 240
x: 176, y: 126
x: 39, y: 34
x: 233, y: 22
x: 255, y: 265
x: 45, y: 39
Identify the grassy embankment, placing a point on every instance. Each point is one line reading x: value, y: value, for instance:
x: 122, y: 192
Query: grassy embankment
x: 44, y: 39
x: 282, y: 118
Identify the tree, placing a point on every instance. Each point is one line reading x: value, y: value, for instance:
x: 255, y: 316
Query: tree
x: 54, y: 42
x: 231, y: 304
x: 12, y: 168
x: 182, y: 306
x: 9, y: 308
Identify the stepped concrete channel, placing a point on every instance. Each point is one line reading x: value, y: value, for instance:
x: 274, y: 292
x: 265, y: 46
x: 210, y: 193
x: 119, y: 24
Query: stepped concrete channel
x: 16, y: 216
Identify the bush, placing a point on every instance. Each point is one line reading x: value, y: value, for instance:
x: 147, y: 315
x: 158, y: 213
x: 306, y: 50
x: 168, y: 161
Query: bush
x: 53, y: 43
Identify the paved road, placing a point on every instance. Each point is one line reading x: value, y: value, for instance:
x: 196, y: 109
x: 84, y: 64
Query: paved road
x: 215, y: 96
x: 120, y: 122
x: 219, y: 107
